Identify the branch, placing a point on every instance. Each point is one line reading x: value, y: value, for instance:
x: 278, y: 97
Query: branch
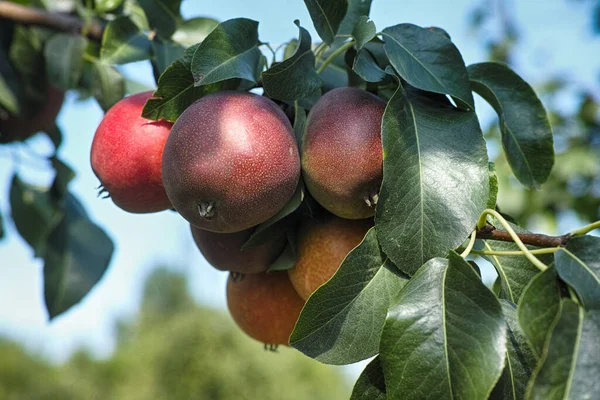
x: 490, y: 232
x: 55, y: 21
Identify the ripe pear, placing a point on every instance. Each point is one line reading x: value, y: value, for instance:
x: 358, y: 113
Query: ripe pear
x: 126, y: 156
x: 231, y: 161
x: 224, y: 250
x: 342, y: 155
x: 12, y: 128
x: 322, y: 245
x: 265, y: 306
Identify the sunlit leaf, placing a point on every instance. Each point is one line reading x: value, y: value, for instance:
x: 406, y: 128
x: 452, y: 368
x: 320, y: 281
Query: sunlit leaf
x: 194, y: 30
x: 327, y: 15
x: 123, y: 42
x: 163, y: 15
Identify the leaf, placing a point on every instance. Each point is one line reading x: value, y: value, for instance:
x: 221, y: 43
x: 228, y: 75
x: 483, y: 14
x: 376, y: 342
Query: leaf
x: 1, y: 226
x: 578, y: 264
x: 63, y: 176
x: 107, y: 83
x: 363, y: 31
x: 286, y: 260
x: 103, y: 6
x: 526, y: 133
x: 163, y: 15
x: 294, y: 78
x: 356, y: 9
x: 367, y: 68
x: 123, y: 42
x: 515, y: 272
x: 78, y: 255
x: 342, y: 321
x: 55, y: 135
x: 275, y: 225
x: 445, y: 337
x: 327, y: 15
x: 493, y: 186
x: 570, y: 365
x: 64, y: 60
x: 166, y: 52
x: 520, y: 360
x: 428, y: 61
x: 132, y: 9
x: 229, y: 51
x: 176, y: 90
x: 299, y: 123
x: 194, y: 30
x: 435, y: 179
x: 33, y: 213
x: 11, y: 92
x: 371, y: 383
x: 538, y: 308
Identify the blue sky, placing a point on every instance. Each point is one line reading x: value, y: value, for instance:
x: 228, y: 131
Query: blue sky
x: 557, y: 38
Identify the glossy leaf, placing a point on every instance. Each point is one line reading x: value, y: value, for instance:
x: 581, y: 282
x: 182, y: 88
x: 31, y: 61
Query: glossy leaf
x: 578, y: 264
x: 371, y: 383
x: 425, y: 207
x: 342, y: 321
x: 229, y: 51
x: 428, y: 61
x: 194, y: 30
x: 64, y: 60
x: 327, y: 15
x: 78, y: 255
x: 163, y: 15
x: 108, y: 86
x: 165, y: 53
x: 33, y: 214
x: 515, y: 272
x: 176, y: 90
x: 367, y: 68
x: 295, y: 77
x: 445, y: 337
x: 539, y: 308
x: 363, y: 31
x: 520, y: 360
x: 123, y: 42
x: 570, y: 366
x: 135, y: 12
x: 526, y: 133
x: 356, y: 9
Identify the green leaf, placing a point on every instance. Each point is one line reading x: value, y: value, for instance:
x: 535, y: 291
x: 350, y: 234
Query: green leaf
x: 363, y: 31
x: 63, y: 176
x: 299, y: 123
x: 294, y: 78
x: 194, y: 30
x: 435, y: 179
x: 356, y: 9
x: 367, y: 68
x: 539, y: 308
x: 342, y: 321
x: 176, y: 90
x: 132, y: 9
x: 275, y: 225
x: 163, y: 15
x: 103, y: 6
x: 107, y: 84
x: 520, y: 360
x: 64, y: 60
x: 55, y: 135
x: 493, y: 186
x: 445, y: 337
x: 570, y: 365
x: 1, y: 226
x: 428, y: 61
x: 371, y: 383
x: 286, y: 260
x: 166, y: 52
x: 526, y: 133
x: 33, y: 213
x: 11, y: 91
x: 578, y: 264
x: 229, y: 51
x: 123, y: 42
x: 327, y: 15
x: 515, y: 272
x: 78, y: 255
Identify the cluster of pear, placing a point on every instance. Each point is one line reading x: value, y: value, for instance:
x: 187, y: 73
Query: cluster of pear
x: 231, y: 162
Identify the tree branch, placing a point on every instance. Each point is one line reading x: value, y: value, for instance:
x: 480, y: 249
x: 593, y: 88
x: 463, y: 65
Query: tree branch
x: 490, y: 232
x: 55, y: 21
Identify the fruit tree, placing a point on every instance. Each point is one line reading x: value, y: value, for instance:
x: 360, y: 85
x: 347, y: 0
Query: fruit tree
x: 343, y: 182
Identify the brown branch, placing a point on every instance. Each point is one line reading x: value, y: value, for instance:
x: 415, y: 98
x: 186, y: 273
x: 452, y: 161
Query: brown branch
x: 55, y: 21
x: 535, y: 239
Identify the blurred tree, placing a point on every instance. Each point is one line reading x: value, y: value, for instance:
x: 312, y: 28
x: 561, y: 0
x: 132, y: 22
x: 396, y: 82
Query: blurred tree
x: 574, y: 185
x: 174, y: 350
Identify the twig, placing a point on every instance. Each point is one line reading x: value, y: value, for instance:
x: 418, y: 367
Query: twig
x: 490, y: 232
x: 55, y: 21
